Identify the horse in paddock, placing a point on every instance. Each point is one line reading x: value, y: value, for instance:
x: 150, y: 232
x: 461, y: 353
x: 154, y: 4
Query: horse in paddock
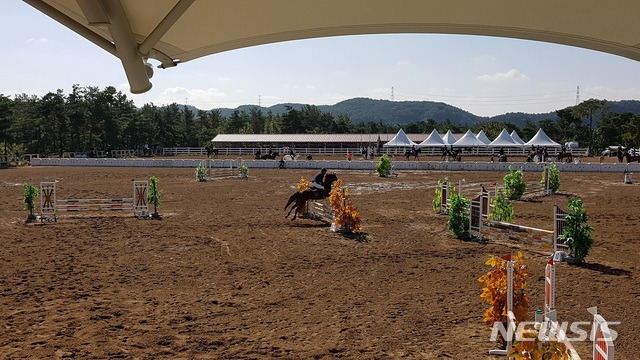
x: 631, y: 158
x: 412, y: 152
x: 300, y: 198
x: 564, y: 157
x: 212, y: 151
x: 271, y: 156
x: 451, y: 155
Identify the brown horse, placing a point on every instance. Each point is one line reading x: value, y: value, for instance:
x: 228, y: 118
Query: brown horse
x: 301, y: 197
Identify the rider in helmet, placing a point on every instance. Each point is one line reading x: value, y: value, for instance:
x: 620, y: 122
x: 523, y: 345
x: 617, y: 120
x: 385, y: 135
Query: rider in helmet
x: 317, y: 180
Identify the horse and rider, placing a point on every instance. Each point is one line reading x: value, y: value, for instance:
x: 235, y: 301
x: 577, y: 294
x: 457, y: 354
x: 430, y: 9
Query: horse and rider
x: 211, y: 150
x: 451, y: 155
x: 270, y: 155
x: 412, y: 152
x: 320, y: 188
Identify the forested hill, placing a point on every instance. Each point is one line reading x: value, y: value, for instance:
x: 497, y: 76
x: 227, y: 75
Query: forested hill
x: 362, y: 110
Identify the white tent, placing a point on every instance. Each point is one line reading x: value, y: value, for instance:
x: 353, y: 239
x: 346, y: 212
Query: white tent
x: 433, y: 140
x: 516, y: 137
x: 448, y: 138
x: 483, y: 137
x: 541, y: 139
x: 504, y: 139
x: 468, y: 139
x: 400, y: 140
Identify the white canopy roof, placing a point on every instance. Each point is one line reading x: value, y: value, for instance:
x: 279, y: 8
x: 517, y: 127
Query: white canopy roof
x: 448, y: 138
x: 483, y: 137
x: 434, y: 140
x: 175, y: 31
x: 468, y: 139
x: 504, y: 139
x: 516, y: 137
x: 541, y: 139
x: 400, y: 140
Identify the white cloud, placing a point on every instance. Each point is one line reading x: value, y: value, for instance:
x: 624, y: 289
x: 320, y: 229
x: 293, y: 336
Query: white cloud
x: 38, y: 41
x: 511, y: 75
x: 403, y: 63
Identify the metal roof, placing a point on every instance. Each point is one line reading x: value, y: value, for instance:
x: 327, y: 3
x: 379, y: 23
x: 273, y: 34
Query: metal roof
x: 313, y: 138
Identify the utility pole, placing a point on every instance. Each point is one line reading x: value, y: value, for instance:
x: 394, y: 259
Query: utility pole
x: 578, y: 95
x: 393, y: 95
x: 260, y: 100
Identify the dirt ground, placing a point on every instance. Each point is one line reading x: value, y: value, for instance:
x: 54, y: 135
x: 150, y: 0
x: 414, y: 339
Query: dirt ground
x: 225, y: 275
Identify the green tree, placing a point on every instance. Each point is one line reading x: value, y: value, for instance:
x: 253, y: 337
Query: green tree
x: 54, y: 122
x: 631, y: 135
x: 6, y: 120
x: 188, y: 128
x: 590, y: 111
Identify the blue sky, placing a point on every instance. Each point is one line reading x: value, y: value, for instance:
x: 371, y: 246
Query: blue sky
x: 484, y: 75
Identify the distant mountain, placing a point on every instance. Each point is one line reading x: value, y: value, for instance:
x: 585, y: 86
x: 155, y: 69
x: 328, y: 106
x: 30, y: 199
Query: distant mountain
x: 403, y: 112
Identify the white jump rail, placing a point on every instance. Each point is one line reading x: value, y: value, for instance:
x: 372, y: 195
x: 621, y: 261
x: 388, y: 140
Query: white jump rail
x: 234, y: 169
x: 320, y: 210
x: 50, y: 205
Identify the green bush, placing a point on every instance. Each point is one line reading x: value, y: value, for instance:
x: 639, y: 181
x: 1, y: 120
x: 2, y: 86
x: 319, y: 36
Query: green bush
x: 502, y: 208
x: 154, y: 196
x: 458, y: 215
x: 577, y: 234
x: 30, y: 193
x: 201, y: 172
x: 554, y: 178
x: 383, y: 167
x: 514, y: 186
x: 244, y: 170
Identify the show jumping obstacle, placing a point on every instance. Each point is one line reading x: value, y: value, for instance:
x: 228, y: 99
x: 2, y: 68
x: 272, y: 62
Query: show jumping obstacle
x: 215, y: 173
x: 533, y: 188
x: 603, y: 347
x: 481, y: 226
x: 50, y: 205
x: 319, y: 210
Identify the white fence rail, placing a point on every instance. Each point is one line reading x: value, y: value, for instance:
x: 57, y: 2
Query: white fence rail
x: 174, y: 151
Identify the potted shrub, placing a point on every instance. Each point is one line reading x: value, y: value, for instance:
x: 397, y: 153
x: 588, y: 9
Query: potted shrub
x: 383, y: 167
x: 577, y: 233
x: 502, y: 208
x: 154, y: 197
x: 30, y: 193
x: 554, y: 178
x: 458, y: 215
x: 201, y: 172
x: 514, y: 186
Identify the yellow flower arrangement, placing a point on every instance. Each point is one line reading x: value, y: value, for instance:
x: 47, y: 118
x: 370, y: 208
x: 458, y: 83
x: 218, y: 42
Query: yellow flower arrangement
x: 345, y: 213
x: 304, y: 184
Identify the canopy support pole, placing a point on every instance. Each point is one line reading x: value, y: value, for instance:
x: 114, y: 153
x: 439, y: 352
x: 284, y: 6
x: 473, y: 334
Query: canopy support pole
x: 169, y: 20
x: 138, y: 71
